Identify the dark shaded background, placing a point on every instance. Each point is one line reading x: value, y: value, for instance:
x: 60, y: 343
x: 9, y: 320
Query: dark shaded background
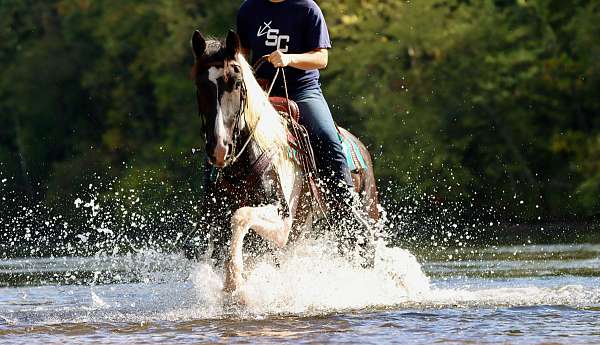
x: 481, y: 113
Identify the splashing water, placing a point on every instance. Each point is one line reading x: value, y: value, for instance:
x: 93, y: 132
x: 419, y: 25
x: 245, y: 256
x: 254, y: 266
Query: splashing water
x: 301, y: 291
x: 118, y: 277
x: 310, y: 277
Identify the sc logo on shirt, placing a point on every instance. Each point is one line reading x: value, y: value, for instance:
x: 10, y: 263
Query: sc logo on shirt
x: 274, y: 39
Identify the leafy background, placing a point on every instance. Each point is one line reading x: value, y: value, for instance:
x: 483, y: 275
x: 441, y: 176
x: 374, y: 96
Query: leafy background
x: 489, y: 106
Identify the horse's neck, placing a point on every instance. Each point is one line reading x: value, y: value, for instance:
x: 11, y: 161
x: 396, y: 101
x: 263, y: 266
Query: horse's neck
x: 251, y: 152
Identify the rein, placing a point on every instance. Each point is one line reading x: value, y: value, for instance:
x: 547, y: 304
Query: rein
x: 308, y: 159
x: 262, y: 162
x: 233, y: 157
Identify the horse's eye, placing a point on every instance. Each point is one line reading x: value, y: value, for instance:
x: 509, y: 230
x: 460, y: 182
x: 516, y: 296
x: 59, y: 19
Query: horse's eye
x: 237, y: 68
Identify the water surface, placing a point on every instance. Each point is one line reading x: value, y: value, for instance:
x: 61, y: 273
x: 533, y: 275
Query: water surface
x: 517, y: 295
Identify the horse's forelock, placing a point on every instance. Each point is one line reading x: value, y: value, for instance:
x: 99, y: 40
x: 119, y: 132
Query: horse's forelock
x: 214, y: 51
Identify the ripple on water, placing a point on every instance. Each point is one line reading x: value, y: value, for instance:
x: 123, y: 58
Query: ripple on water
x: 306, y: 292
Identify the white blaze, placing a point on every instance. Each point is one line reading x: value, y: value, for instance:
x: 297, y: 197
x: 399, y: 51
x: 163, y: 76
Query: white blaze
x: 215, y: 73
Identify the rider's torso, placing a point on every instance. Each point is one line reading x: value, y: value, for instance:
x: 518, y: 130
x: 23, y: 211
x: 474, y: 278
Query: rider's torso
x: 292, y: 26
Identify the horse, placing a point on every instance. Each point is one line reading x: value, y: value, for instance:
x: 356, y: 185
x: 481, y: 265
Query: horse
x: 248, y: 153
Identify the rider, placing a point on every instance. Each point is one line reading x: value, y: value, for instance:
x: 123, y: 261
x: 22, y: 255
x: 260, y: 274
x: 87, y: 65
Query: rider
x: 294, y: 35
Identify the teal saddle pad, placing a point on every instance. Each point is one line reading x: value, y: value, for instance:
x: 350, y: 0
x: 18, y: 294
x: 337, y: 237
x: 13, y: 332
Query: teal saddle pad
x: 354, y: 157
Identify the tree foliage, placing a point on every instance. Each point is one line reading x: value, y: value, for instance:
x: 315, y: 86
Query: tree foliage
x: 489, y: 103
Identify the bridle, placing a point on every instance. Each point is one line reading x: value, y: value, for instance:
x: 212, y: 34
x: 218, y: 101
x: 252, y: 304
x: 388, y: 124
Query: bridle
x: 309, y: 165
x: 233, y: 156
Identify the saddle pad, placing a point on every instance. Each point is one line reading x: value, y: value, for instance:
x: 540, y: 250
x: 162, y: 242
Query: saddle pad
x: 354, y: 157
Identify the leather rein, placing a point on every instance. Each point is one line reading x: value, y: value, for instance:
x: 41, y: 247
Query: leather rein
x: 263, y: 161
x: 233, y: 156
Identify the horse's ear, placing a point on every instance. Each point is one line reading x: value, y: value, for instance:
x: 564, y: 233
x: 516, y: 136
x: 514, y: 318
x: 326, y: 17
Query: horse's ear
x: 198, y: 44
x: 232, y: 44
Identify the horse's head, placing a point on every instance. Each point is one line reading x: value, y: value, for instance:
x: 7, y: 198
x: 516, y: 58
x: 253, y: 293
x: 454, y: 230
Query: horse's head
x: 220, y: 93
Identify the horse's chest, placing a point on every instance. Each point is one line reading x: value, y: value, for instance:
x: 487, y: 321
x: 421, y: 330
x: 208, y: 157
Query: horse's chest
x: 245, y: 188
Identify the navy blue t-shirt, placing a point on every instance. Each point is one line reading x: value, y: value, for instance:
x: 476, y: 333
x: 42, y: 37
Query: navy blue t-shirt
x: 292, y: 26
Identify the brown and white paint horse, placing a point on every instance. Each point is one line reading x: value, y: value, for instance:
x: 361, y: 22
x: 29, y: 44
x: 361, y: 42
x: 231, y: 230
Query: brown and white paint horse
x: 241, y: 125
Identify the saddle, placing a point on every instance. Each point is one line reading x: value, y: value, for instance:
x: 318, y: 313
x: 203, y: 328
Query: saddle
x: 300, y: 149
x: 284, y: 106
x: 289, y: 110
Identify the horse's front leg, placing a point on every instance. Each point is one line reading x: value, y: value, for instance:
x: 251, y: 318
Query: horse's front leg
x: 266, y: 222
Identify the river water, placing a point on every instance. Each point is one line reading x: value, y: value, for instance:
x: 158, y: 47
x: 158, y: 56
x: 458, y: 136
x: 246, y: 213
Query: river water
x: 531, y: 294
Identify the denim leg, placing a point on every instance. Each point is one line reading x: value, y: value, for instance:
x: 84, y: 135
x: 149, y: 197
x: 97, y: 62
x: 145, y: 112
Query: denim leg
x: 316, y: 117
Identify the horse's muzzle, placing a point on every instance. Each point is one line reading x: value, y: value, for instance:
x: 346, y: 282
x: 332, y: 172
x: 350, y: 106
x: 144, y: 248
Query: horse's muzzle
x: 219, y: 156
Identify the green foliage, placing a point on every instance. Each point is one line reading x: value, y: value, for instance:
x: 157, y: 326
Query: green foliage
x: 482, y: 102
x: 466, y: 99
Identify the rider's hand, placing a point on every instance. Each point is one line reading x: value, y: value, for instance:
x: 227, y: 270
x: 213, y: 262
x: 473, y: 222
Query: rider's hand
x: 279, y: 59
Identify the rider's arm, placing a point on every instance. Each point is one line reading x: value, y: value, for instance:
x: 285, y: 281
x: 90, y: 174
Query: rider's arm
x: 315, y: 59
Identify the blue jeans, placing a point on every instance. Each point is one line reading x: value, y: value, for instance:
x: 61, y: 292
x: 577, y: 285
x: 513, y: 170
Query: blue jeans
x: 329, y: 154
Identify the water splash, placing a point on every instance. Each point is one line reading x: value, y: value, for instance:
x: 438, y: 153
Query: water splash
x: 310, y: 276
x: 97, y: 301
x: 306, y: 279
x: 135, y: 274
